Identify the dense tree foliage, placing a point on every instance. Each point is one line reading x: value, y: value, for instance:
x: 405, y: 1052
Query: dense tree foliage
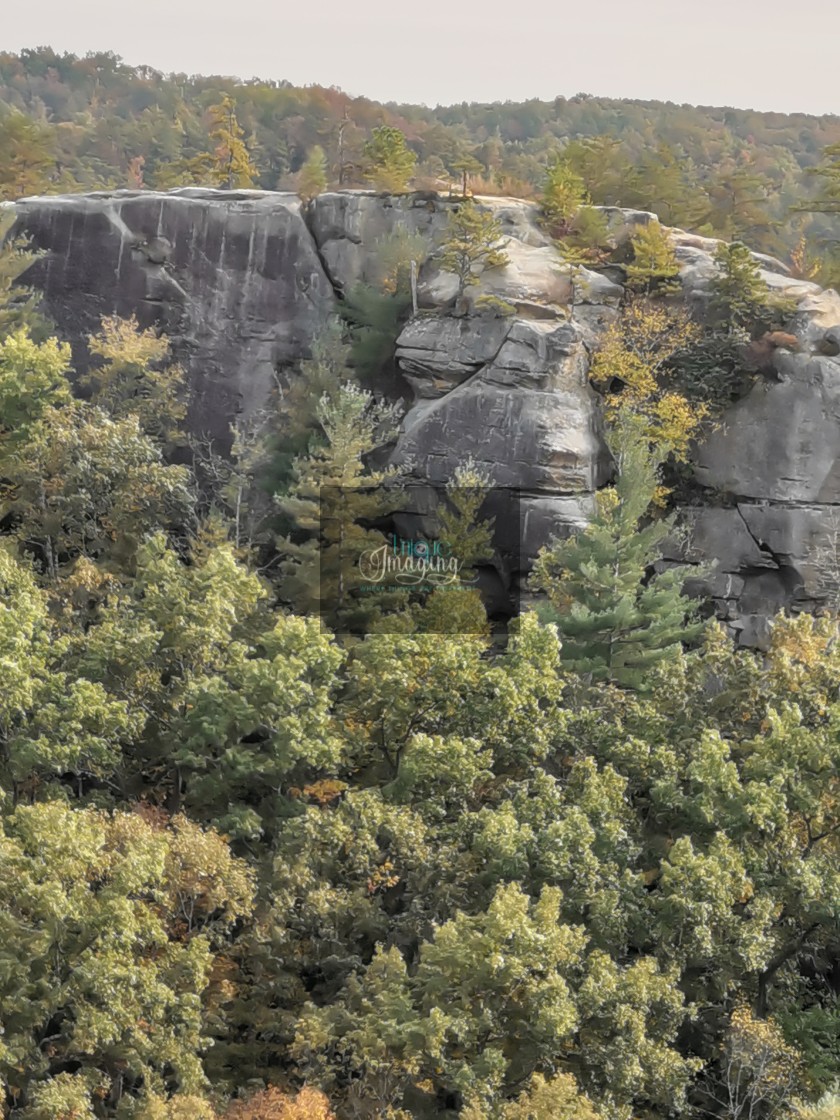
x: 257, y: 866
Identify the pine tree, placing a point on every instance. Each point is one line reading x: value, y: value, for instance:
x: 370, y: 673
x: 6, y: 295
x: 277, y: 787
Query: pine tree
x: 390, y: 160
x: 602, y: 165
x: 654, y: 268
x: 472, y: 240
x: 468, y: 537
x: 332, y: 492
x: 298, y: 429
x: 828, y: 200
x: 739, y: 295
x: 375, y: 319
x: 737, y: 209
x: 312, y: 177
x: 464, y: 166
x: 615, y: 620
x: 661, y: 181
x: 229, y: 165
x: 563, y: 195
x: 375, y: 312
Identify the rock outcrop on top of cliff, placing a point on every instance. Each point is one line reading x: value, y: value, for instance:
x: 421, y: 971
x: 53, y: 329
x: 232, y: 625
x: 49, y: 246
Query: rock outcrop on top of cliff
x: 243, y: 281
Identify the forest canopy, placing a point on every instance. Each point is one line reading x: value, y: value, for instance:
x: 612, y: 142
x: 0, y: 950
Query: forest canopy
x: 70, y: 123
x: 261, y: 863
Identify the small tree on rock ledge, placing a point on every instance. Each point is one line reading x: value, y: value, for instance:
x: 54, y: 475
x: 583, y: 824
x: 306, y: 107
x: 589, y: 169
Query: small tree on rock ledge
x: 472, y: 241
x: 654, y: 269
x: 312, y: 177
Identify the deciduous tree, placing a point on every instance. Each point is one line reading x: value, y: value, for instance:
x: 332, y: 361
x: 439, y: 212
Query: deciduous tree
x: 27, y: 156
x: 106, y: 976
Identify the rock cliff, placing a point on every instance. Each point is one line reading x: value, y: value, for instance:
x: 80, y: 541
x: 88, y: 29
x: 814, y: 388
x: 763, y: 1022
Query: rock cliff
x: 234, y: 278
x: 242, y: 282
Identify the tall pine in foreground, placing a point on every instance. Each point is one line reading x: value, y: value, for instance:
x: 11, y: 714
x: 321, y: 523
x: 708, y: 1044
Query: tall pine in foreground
x: 331, y: 499
x: 614, y: 621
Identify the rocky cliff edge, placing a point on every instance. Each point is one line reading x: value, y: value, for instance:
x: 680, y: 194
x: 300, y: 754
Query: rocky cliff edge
x: 242, y: 281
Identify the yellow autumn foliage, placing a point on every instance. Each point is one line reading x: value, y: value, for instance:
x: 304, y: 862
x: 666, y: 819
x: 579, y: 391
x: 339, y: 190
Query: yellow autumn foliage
x: 635, y: 351
x: 554, y: 1098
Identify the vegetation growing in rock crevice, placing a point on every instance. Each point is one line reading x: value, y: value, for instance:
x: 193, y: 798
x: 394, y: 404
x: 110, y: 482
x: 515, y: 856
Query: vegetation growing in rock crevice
x: 654, y: 269
x: 472, y: 243
x: 376, y: 312
x: 680, y: 369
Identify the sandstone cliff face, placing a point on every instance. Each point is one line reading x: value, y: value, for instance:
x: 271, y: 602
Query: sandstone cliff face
x: 242, y: 281
x: 233, y: 277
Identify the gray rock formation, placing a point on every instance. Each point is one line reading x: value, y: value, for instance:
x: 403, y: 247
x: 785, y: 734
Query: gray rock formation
x: 232, y: 277
x: 242, y: 282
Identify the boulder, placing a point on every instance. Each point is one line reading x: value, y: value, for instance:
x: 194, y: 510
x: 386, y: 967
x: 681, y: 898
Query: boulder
x: 347, y: 225
x: 535, y: 282
x: 623, y: 223
x: 780, y: 442
x: 437, y: 353
x: 528, y: 417
x: 540, y: 355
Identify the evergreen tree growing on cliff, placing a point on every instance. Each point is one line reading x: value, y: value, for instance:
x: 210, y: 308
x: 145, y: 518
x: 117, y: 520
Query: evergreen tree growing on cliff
x: 739, y: 295
x: 472, y: 241
x: 615, y: 620
x: 563, y: 195
x: 229, y: 165
x: 375, y: 312
x: 586, y: 242
x: 654, y: 268
x: 390, y: 160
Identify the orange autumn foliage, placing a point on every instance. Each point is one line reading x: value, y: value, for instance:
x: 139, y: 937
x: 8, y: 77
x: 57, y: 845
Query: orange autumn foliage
x: 273, y: 1104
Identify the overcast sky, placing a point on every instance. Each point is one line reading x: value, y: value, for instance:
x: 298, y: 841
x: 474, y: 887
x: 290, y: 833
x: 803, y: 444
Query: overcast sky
x: 761, y: 54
